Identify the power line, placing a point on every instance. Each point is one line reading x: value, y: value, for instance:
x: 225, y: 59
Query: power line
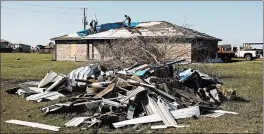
x: 38, y: 11
x: 40, y: 5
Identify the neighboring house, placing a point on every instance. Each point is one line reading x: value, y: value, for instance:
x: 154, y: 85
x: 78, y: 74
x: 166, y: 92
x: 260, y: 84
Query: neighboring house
x: 4, y: 43
x: 45, y: 49
x: 82, y: 46
x: 19, y: 47
x: 49, y: 48
x: 39, y: 48
x: 5, y: 46
x: 14, y: 47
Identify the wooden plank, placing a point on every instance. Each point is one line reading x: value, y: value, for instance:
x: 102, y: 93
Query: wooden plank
x: 108, y: 89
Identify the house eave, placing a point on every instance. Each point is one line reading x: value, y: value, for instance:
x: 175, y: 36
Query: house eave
x: 65, y: 38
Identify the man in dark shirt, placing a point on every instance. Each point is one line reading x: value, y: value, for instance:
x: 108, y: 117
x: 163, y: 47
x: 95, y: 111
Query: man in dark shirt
x: 95, y: 26
x: 91, y: 23
x: 91, y: 26
x: 128, y: 20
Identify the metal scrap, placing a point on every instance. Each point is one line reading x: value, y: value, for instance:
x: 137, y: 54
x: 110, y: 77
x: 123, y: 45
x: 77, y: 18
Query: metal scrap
x: 32, y: 124
x: 165, y: 115
x: 133, y: 93
x: 140, y: 94
x: 177, y: 114
x: 76, y: 121
x: 45, y: 95
x: 47, y: 79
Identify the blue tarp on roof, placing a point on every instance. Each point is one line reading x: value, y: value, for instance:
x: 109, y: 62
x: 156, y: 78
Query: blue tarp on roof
x: 105, y: 27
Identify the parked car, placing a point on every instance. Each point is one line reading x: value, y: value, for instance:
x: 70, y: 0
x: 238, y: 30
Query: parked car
x: 247, y: 54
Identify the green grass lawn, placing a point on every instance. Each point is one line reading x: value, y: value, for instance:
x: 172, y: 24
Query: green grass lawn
x: 244, y: 76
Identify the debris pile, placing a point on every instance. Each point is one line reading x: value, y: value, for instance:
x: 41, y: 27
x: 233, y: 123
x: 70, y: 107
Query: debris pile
x: 136, y: 95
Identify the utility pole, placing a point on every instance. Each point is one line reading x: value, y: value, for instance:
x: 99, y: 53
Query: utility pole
x: 84, y: 19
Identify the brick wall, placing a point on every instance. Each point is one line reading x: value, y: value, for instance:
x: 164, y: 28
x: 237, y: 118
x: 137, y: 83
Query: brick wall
x: 195, y: 51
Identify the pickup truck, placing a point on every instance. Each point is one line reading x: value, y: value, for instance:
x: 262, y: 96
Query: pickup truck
x: 225, y: 53
x: 247, y: 54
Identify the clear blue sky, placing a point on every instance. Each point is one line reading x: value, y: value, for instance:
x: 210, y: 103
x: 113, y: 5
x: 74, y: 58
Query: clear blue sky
x: 234, y: 22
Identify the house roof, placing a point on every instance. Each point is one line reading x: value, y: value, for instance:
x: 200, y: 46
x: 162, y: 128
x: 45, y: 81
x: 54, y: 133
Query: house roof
x: 143, y: 29
x: 100, y: 28
x: 151, y: 29
x: 71, y: 36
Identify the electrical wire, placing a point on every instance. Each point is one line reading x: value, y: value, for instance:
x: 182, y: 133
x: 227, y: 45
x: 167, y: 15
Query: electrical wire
x: 40, y: 5
x: 38, y: 11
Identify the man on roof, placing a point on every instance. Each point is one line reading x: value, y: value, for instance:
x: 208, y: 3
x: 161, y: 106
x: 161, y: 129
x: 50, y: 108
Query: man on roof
x: 128, y: 19
x: 95, y: 26
x: 92, y: 26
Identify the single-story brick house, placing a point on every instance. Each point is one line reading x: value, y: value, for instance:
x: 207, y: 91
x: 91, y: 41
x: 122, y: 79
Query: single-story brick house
x: 82, y: 46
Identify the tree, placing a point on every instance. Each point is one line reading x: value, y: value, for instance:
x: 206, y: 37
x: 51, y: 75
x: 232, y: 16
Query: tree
x: 154, y: 44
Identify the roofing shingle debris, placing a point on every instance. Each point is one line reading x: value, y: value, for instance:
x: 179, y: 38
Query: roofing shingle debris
x: 140, y: 94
